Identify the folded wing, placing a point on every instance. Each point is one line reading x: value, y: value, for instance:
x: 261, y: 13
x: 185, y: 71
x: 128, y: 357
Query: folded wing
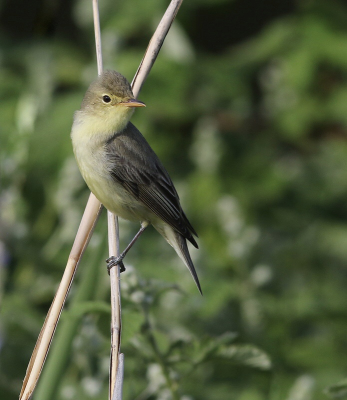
x: 137, y: 168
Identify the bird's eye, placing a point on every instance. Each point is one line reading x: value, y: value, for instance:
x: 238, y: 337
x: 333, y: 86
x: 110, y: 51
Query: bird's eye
x: 106, y: 99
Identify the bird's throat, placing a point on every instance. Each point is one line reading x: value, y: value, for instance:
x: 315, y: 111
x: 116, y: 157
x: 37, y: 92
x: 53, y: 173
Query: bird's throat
x: 101, y: 126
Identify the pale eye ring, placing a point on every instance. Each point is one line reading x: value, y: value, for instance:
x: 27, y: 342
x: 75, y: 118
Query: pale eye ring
x: 106, y: 98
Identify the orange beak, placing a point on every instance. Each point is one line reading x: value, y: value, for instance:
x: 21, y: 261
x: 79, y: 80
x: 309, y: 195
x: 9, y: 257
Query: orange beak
x: 132, y: 103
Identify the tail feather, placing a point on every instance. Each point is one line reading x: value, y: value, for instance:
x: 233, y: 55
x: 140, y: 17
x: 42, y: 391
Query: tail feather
x: 182, y: 250
x: 193, y: 242
x: 179, y: 243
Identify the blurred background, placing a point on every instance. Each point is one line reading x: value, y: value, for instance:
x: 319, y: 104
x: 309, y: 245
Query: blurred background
x: 247, y: 109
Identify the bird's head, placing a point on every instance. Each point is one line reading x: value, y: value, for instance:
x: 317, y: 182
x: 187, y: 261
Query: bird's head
x: 109, y: 95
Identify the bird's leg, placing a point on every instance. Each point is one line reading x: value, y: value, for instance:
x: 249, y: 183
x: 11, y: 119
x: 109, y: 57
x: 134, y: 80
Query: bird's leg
x: 112, y: 261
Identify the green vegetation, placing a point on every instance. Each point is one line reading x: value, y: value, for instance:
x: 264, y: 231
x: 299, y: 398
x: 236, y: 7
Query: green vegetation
x: 247, y: 108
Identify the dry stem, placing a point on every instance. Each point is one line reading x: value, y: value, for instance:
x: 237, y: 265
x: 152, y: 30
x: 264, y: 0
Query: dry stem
x: 113, y: 246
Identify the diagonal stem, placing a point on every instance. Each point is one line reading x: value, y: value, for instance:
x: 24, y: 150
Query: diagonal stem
x: 85, y: 230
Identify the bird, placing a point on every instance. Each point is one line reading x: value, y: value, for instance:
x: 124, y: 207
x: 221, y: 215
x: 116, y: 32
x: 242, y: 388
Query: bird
x: 122, y: 170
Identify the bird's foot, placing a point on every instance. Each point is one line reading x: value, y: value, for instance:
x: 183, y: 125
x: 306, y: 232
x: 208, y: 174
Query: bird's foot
x: 112, y: 261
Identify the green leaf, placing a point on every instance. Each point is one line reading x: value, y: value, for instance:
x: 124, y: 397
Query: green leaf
x: 338, y: 391
x: 209, y: 346
x: 85, y: 307
x: 246, y: 354
x: 131, y: 323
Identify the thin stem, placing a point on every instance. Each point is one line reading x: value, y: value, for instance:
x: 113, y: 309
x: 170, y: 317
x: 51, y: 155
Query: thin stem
x: 116, y: 323
x: 97, y: 36
x: 113, y: 246
x: 154, y: 46
x: 61, y: 348
x: 85, y: 230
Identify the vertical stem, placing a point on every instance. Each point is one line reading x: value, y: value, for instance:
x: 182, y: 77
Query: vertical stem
x: 97, y: 35
x: 116, y: 324
x: 113, y: 245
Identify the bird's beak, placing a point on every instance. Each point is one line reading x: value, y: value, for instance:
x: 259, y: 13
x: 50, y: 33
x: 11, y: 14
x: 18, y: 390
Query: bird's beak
x: 132, y: 103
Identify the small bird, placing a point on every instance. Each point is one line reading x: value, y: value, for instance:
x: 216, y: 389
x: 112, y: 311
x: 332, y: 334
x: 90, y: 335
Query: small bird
x: 123, y: 171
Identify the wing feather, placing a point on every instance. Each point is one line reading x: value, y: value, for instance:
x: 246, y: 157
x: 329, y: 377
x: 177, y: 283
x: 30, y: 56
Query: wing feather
x: 134, y: 165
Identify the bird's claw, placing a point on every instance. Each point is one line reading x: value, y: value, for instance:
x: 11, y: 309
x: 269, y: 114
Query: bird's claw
x: 112, y: 261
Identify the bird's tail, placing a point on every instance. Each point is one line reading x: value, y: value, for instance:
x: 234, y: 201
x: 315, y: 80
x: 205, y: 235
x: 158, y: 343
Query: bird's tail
x: 180, y: 245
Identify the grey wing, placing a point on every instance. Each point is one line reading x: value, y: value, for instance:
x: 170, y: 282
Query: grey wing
x: 137, y: 168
